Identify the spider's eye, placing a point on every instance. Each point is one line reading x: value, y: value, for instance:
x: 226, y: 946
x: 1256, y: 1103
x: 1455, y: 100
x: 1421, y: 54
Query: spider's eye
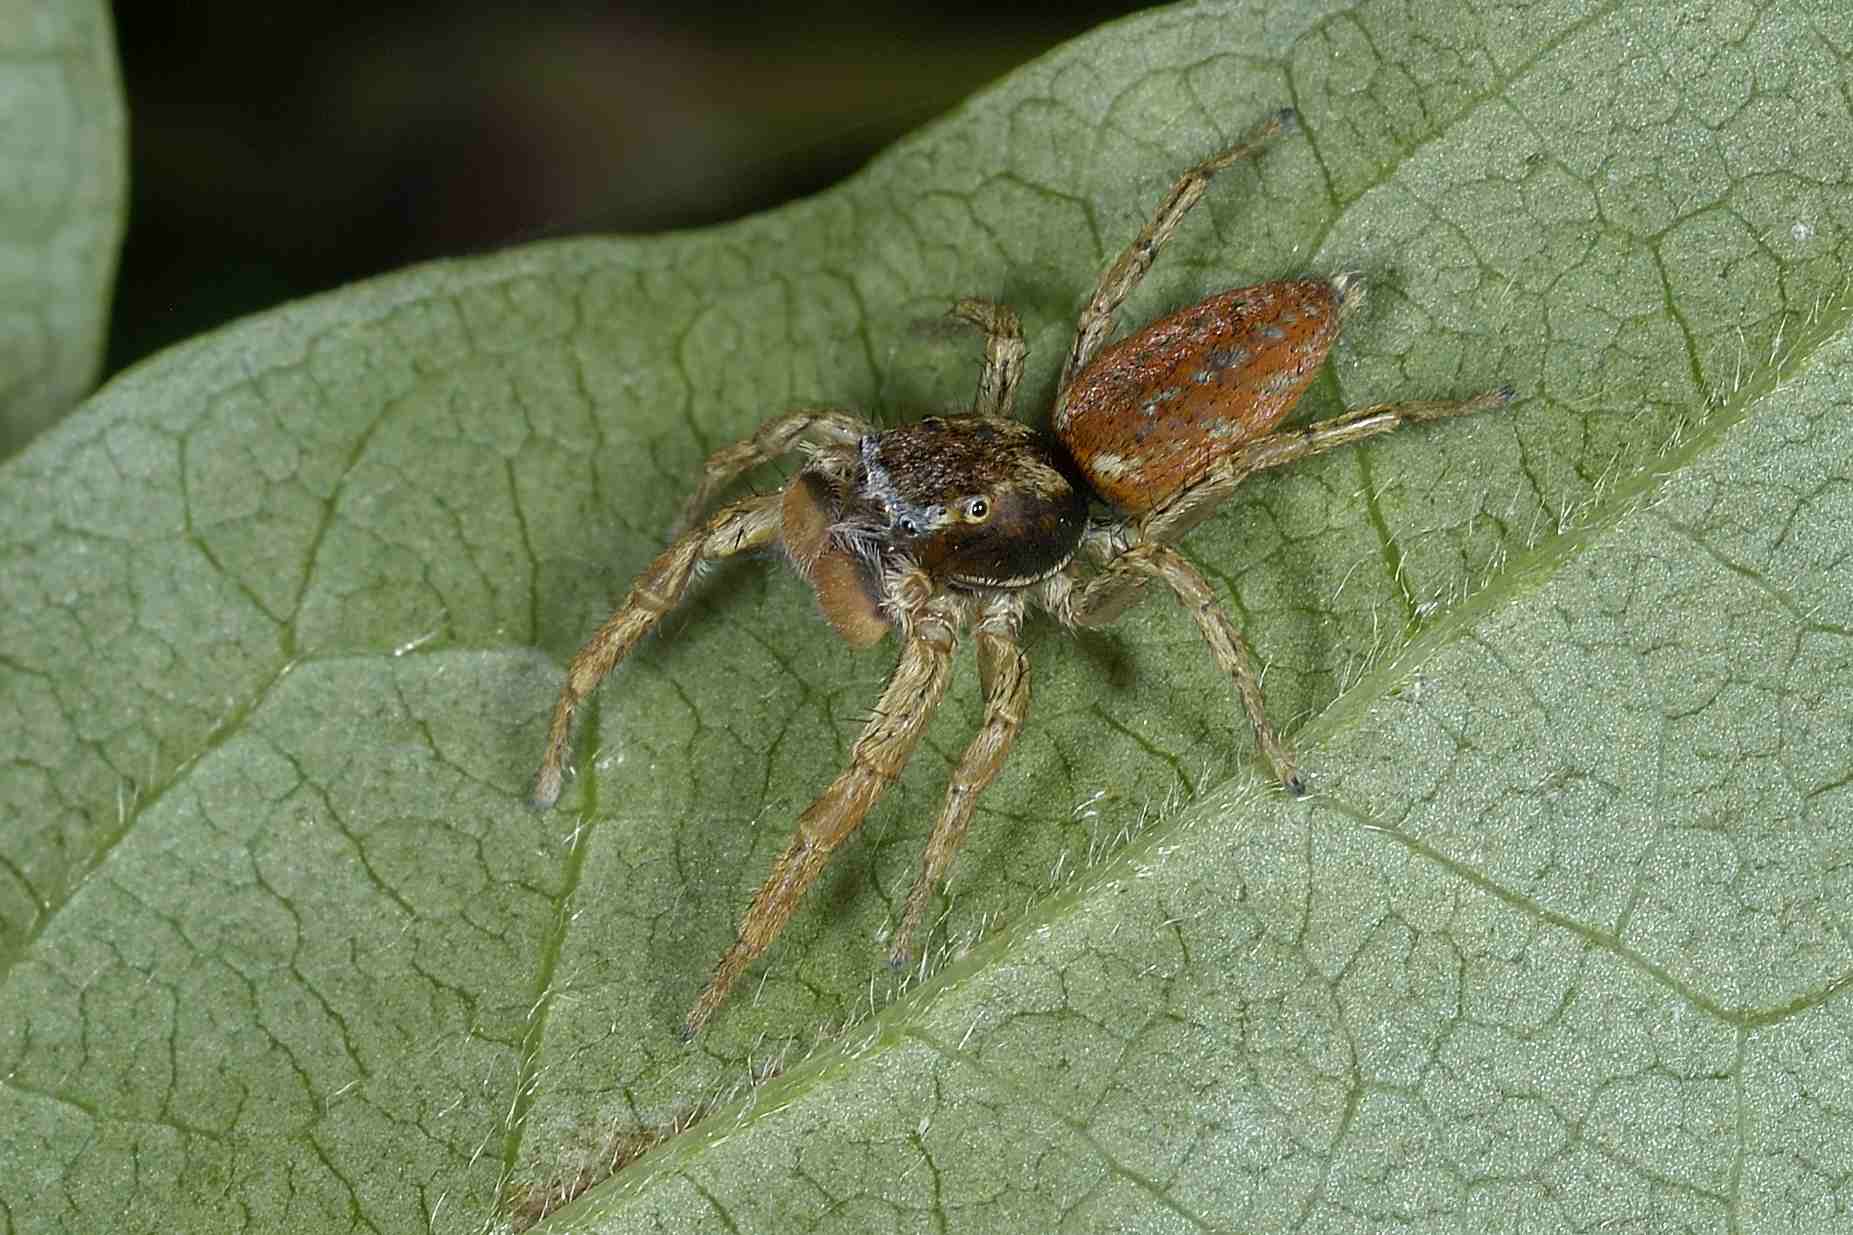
x: 909, y: 526
x: 977, y: 510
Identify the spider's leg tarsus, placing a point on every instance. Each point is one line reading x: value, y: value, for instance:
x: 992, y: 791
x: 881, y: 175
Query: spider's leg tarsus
x: 548, y: 783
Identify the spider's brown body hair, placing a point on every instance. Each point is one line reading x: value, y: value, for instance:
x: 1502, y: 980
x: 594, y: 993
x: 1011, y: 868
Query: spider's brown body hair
x: 968, y: 521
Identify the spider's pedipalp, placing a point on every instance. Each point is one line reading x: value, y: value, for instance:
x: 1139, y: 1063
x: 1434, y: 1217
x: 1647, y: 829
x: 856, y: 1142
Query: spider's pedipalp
x: 930, y: 627
x: 751, y: 524
x: 1003, y: 672
x: 843, y: 574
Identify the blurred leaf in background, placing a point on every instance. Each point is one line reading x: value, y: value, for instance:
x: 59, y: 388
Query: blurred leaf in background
x: 284, y: 149
x: 63, y: 183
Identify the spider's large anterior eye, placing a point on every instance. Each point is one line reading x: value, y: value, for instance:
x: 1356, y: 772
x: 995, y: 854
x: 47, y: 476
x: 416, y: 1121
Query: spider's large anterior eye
x: 909, y: 526
x: 977, y: 510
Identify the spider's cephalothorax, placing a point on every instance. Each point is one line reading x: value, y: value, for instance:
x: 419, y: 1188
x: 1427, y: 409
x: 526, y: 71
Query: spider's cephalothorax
x: 966, y: 521
x: 976, y: 501
x: 973, y: 501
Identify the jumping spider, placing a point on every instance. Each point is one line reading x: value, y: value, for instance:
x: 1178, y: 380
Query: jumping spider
x: 970, y: 519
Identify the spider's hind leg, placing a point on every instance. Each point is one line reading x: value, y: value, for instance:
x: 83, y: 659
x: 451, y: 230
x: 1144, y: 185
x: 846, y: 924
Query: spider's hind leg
x: 1190, y: 505
x: 1118, y: 280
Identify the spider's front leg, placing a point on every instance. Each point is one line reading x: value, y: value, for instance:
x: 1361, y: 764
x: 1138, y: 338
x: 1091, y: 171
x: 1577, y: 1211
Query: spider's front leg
x: 929, y: 621
x: 1003, y: 672
x: 773, y: 439
x: 751, y: 524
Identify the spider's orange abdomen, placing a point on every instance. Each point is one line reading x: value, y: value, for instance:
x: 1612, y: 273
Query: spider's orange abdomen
x: 1153, y: 412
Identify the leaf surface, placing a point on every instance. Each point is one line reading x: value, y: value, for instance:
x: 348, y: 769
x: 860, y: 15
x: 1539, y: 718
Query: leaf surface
x: 1562, y: 940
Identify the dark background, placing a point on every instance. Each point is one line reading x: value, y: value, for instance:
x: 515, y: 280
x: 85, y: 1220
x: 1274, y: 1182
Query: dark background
x: 283, y: 149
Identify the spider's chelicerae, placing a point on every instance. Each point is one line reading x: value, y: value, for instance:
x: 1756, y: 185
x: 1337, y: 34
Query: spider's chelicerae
x: 969, y: 520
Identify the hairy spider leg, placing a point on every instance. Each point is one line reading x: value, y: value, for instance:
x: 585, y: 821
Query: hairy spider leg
x: 1100, y: 600
x: 773, y: 439
x: 750, y: 524
x: 1134, y: 553
x: 1003, y: 673
x: 1004, y: 350
x: 1118, y: 280
x: 1191, y: 504
x: 930, y: 631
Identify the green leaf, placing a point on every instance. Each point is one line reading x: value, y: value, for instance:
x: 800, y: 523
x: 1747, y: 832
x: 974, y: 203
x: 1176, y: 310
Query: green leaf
x: 1562, y: 940
x: 63, y: 200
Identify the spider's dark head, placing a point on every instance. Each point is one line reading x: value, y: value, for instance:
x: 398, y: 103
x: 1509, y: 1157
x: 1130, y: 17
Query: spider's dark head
x: 975, y: 500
